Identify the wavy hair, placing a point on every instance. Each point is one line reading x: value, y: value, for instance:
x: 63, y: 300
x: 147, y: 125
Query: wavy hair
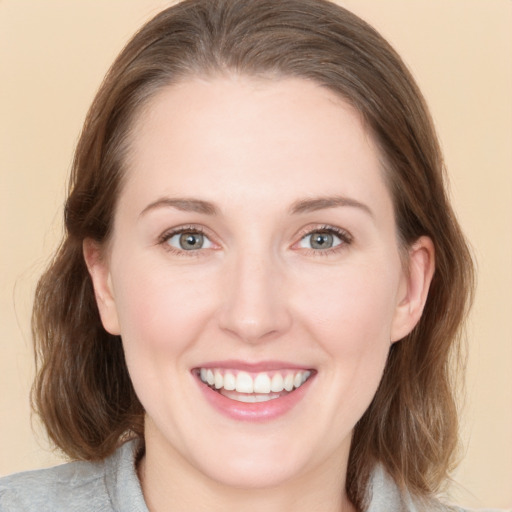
x: 83, y: 392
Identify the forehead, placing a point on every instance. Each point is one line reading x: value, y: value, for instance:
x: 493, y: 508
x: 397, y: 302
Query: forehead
x: 235, y: 137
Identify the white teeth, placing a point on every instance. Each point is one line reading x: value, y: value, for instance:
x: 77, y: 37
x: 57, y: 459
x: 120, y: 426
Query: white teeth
x: 219, y: 380
x: 244, y: 383
x: 261, y: 385
x: 277, y: 384
x: 229, y: 382
x: 251, y: 398
x: 288, y: 382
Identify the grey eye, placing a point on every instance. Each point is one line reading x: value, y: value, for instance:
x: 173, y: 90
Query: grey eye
x: 319, y: 240
x: 189, y: 241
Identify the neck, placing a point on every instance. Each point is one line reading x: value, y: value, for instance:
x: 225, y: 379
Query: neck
x: 169, y: 482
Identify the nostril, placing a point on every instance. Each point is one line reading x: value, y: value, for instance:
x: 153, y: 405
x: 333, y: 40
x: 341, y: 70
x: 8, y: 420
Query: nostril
x: 251, y: 332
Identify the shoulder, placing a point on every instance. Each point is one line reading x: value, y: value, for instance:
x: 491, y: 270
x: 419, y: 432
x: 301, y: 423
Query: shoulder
x: 79, y: 483
x: 385, y: 495
x: 77, y: 486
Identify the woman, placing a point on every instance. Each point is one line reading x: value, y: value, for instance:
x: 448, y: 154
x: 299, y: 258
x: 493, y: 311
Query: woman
x: 262, y: 281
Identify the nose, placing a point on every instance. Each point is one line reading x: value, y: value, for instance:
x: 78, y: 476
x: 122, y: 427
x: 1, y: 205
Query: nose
x: 254, y: 305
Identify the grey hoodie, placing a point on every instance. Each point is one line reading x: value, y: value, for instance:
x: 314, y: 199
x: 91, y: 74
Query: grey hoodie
x: 112, y: 486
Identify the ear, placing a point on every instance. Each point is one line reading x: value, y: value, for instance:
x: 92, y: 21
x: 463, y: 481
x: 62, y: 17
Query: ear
x: 99, y: 271
x: 414, y: 290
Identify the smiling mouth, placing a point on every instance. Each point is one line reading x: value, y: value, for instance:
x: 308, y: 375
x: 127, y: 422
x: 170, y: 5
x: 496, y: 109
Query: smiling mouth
x: 253, y: 387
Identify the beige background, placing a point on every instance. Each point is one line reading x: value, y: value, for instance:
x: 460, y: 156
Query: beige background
x: 53, y: 55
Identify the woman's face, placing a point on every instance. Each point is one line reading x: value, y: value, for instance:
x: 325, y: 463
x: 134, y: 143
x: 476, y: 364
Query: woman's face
x: 255, y: 248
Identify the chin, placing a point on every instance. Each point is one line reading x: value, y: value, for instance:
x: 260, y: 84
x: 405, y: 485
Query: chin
x: 260, y: 472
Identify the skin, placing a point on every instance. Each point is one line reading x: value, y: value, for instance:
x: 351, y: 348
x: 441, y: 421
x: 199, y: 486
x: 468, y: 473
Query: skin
x: 256, y: 291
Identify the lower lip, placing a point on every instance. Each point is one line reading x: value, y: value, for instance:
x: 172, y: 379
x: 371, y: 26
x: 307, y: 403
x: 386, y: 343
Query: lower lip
x: 254, y: 412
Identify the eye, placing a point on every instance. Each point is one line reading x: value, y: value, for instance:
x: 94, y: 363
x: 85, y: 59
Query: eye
x: 324, y: 239
x: 188, y: 240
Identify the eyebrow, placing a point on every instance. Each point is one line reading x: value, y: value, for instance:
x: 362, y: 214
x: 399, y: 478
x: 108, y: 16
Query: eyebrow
x: 320, y: 203
x: 302, y: 206
x: 183, y: 204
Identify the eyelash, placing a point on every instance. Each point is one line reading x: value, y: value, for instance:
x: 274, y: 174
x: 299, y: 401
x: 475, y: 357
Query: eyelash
x: 196, y: 230
x: 345, y: 237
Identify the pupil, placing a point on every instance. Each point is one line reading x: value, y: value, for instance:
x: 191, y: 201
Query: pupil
x: 190, y: 241
x: 321, y: 241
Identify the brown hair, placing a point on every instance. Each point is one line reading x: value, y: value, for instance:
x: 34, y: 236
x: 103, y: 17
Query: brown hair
x: 83, y: 391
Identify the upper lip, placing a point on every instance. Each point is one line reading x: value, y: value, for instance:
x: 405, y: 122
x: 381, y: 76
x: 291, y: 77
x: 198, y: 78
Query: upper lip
x: 253, y: 367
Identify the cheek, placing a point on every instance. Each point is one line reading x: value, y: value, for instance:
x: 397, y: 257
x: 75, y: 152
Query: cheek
x: 353, y: 324
x: 353, y: 312
x: 161, y: 314
x: 159, y: 309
